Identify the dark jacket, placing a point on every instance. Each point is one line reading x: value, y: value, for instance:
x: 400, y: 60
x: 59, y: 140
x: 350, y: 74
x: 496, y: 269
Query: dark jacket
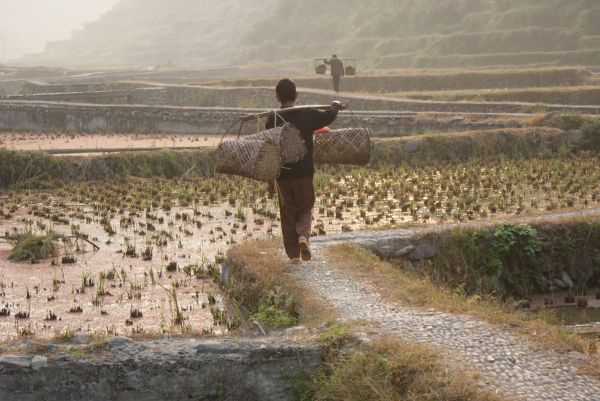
x: 337, y: 67
x: 308, y: 121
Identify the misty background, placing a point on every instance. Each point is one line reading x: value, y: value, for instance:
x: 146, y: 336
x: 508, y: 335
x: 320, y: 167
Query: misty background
x: 289, y: 34
x: 27, y: 25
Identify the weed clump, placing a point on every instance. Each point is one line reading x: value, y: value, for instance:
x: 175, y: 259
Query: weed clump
x: 272, y: 316
x: 28, y: 246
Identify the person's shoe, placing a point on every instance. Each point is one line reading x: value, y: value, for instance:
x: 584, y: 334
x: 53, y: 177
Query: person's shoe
x: 295, y: 261
x: 304, y: 249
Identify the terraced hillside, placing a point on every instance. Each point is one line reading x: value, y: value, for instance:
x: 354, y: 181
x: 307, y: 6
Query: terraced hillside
x: 392, y: 34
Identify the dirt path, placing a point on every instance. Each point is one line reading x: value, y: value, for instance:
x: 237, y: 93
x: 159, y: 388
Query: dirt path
x: 507, y: 362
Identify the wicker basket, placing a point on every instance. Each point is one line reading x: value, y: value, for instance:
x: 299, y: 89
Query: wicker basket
x: 259, y: 160
x: 344, y: 146
x: 289, y: 138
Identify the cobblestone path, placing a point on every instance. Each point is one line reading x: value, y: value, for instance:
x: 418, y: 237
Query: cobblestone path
x: 507, y: 362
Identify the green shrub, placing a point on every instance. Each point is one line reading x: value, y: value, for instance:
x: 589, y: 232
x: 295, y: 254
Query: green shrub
x: 515, y: 259
x: 272, y: 316
x: 485, y: 262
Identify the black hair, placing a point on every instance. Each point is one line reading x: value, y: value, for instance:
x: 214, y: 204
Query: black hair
x: 286, y: 90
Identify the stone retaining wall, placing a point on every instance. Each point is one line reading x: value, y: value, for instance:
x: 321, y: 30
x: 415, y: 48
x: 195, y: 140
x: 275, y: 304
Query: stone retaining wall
x: 265, y: 98
x: 122, y: 370
x: 88, y: 118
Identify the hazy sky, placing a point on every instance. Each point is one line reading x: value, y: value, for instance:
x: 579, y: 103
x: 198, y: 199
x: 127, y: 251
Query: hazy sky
x: 26, y: 25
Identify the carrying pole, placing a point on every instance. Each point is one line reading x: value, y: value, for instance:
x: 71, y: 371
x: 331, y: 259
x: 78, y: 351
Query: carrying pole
x: 250, y: 117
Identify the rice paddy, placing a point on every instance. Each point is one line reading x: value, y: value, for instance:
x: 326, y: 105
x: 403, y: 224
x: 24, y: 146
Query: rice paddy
x: 141, y: 256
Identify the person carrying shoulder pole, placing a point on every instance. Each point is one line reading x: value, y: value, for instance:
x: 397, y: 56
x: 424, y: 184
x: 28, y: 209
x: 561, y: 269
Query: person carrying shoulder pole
x: 295, y: 184
x: 337, y: 70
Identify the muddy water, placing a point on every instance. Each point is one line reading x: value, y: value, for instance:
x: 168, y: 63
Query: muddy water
x: 36, y: 141
x: 132, y: 284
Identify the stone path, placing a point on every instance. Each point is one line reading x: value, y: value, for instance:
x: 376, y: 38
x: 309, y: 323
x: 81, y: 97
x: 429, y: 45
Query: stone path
x: 507, y: 362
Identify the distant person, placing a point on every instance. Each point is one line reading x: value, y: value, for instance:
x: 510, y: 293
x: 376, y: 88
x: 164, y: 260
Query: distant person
x: 337, y: 70
x: 295, y: 183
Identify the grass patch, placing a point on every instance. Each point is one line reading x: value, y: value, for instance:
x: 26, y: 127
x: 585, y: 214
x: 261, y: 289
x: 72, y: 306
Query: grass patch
x: 578, y: 95
x: 419, y: 290
x: 516, y: 260
x: 28, y: 246
x: 259, y: 281
x: 274, y: 316
x: 470, y: 146
x: 24, y: 169
x: 38, y: 169
x: 390, y: 369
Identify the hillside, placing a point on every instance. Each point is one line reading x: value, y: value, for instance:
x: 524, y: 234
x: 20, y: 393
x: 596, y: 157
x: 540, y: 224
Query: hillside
x: 155, y: 32
x: 385, y: 34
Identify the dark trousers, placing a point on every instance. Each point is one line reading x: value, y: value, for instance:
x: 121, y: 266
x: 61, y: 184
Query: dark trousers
x: 296, y: 201
x: 336, y: 82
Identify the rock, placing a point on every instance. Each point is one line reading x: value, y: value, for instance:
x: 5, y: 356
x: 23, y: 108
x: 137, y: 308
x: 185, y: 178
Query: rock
x: 403, y: 251
x: 490, y: 359
x: 118, y: 341
x: 16, y: 361
x: 224, y: 274
x: 412, y: 146
x: 424, y: 251
x: 577, y: 355
x: 80, y: 338
x: 294, y: 330
x: 567, y: 280
x: 559, y: 283
x: 39, y: 362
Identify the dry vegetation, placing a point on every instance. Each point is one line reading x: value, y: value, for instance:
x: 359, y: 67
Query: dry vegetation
x: 390, y: 369
x: 261, y: 283
x: 416, y: 289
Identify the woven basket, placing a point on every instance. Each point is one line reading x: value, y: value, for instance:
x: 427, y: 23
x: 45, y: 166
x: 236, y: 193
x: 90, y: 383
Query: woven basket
x: 259, y: 160
x: 344, y: 146
x: 289, y: 138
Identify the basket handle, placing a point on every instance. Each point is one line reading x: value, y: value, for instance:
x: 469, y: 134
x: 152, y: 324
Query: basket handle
x: 230, y: 128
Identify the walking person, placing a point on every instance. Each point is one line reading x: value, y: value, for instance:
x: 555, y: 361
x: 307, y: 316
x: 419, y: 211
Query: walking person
x: 295, y: 184
x: 337, y: 70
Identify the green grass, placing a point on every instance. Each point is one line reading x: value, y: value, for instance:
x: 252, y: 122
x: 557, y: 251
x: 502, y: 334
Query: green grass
x: 273, y: 316
x: 516, y: 260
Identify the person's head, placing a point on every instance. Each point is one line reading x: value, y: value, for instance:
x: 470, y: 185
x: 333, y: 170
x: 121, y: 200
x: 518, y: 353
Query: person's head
x: 286, y: 91
x: 334, y: 56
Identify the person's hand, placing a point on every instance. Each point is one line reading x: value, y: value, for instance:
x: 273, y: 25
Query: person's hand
x: 339, y: 105
x: 271, y: 189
